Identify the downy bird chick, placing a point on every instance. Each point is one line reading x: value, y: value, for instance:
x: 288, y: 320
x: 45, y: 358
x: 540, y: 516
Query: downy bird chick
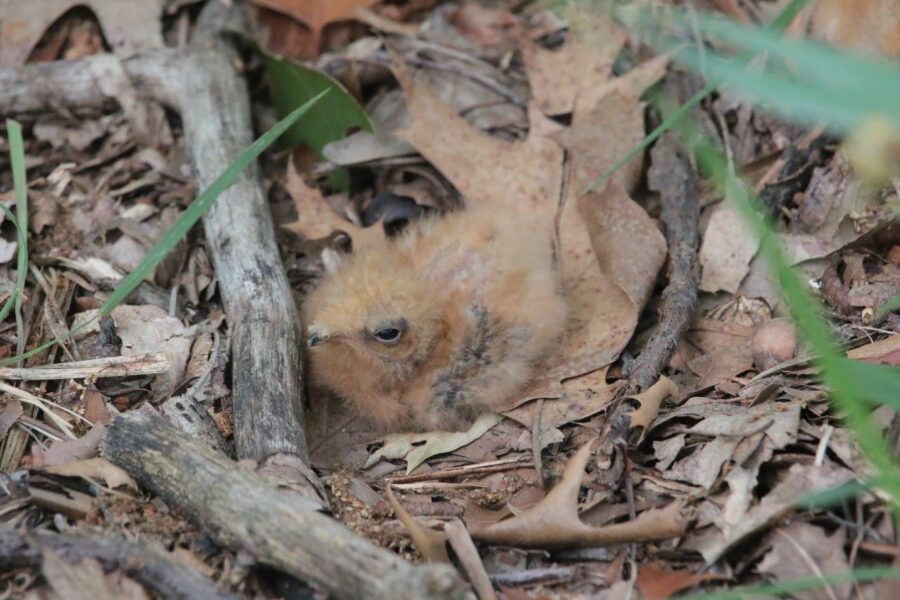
x: 450, y: 318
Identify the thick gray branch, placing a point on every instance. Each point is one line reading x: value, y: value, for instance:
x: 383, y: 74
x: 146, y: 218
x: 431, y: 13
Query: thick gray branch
x: 242, y: 510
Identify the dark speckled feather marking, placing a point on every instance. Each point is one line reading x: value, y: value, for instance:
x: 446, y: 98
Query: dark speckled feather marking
x: 475, y: 354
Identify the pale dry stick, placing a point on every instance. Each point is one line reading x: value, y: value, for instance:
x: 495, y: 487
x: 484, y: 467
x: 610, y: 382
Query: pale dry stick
x: 823, y: 446
x: 467, y: 553
x: 536, y: 441
x: 203, y: 85
x: 437, y: 486
x: 494, y: 466
x: 113, y: 366
x: 528, y: 576
x: 810, y: 562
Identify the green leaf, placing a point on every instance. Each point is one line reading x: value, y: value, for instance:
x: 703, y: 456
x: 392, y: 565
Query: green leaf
x: 292, y: 85
x: 187, y: 219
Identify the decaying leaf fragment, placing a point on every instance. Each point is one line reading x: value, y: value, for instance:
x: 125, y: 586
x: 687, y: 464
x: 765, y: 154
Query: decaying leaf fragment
x: 554, y: 522
x: 316, y: 219
x: 416, y: 448
x: 95, y: 467
x: 648, y: 403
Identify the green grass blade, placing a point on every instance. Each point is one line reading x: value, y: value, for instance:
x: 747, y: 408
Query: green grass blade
x: 20, y: 185
x: 833, y: 496
x: 8, y: 305
x: 778, y: 24
x: 839, y: 375
x: 792, y: 586
x: 199, y: 206
x: 836, y: 71
x: 795, y: 99
x: 184, y: 223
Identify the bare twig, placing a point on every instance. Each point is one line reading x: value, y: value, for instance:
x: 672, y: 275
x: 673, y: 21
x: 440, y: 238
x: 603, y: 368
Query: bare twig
x: 672, y: 176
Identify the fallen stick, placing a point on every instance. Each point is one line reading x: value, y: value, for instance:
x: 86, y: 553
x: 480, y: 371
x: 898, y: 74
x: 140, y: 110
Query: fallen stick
x: 202, y: 83
x: 242, y: 510
x: 672, y: 176
x: 153, y: 568
x: 114, y: 366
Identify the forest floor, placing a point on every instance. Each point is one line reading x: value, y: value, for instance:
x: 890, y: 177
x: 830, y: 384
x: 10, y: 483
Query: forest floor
x: 515, y: 107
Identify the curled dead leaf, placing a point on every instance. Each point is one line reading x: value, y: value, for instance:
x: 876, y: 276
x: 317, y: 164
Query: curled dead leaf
x: 416, y: 448
x: 648, y: 403
x: 92, y: 468
x: 554, y: 521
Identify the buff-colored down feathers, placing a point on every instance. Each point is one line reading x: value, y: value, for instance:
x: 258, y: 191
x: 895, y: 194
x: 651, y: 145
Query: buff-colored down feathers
x: 451, y: 318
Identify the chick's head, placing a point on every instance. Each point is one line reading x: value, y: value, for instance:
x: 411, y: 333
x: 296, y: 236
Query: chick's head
x: 373, y: 319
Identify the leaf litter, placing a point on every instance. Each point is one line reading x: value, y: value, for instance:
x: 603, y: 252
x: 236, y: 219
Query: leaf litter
x: 516, y: 111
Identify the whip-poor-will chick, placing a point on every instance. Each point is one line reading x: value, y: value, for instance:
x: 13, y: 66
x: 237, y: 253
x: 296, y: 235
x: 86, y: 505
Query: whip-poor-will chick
x: 450, y: 318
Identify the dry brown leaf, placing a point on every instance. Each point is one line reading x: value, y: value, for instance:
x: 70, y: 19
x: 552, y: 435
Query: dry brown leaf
x: 87, y: 581
x: 317, y: 220
x: 727, y: 249
x: 605, y: 295
x: 316, y: 14
x: 614, y: 114
x: 486, y: 170
x: 728, y: 425
x: 70, y: 450
x: 557, y: 77
x: 10, y: 413
x: 554, y: 522
x: 863, y: 25
x: 127, y: 26
x: 877, y: 351
x: 95, y: 409
x: 96, y: 468
x: 430, y: 544
x: 146, y: 329
x: 798, y: 482
x: 803, y: 550
x: 579, y: 399
x: 416, y: 448
x: 658, y: 584
x: 649, y: 402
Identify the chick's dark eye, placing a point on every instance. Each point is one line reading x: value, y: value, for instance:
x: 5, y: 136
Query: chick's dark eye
x: 388, y: 334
